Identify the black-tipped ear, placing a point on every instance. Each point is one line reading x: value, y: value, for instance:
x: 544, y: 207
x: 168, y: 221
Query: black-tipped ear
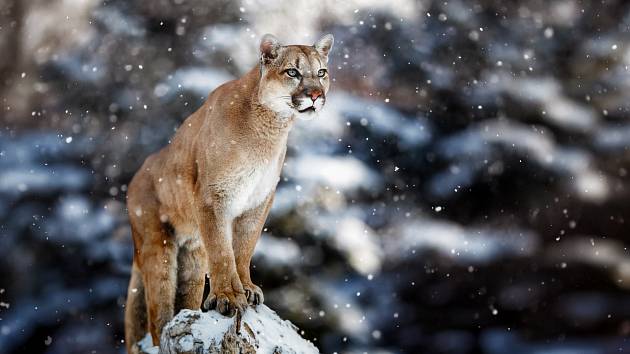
x: 324, y: 44
x: 269, y: 47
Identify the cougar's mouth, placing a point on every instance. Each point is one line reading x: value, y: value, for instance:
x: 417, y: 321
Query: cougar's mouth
x: 307, y: 109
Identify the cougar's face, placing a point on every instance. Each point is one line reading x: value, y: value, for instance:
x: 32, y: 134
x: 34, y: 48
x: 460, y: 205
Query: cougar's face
x: 294, y: 78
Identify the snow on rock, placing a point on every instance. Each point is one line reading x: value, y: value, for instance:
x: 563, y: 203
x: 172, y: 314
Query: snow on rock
x: 261, y: 331
x: 145, y: 346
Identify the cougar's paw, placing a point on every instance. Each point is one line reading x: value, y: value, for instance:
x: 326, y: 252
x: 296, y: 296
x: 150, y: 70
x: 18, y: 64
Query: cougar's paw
x: 253, y: 294
x: 226, y: 303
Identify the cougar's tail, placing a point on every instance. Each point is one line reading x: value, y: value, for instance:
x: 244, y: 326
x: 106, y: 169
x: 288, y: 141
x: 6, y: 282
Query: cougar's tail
x: 135, y: 311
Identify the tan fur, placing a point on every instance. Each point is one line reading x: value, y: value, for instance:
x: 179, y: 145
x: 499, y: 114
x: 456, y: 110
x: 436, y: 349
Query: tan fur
x: 198, y: 206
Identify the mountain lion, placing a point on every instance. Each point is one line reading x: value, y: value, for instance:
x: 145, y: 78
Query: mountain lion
x: 197, y: 207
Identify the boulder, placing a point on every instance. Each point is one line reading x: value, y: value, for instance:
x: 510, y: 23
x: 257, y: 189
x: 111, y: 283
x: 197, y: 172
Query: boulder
x: 257, y: 331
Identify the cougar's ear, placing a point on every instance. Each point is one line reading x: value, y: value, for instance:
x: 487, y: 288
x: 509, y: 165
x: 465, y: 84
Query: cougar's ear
x: 324, y: 44
x: 269, y: 48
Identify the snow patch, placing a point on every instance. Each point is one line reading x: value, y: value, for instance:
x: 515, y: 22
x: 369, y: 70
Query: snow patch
x: 342, y: 173
x: 463, y: 245
x: 276, y: 252
x: 475, y: 148
x: 260, y: 327
x: 201, y: 81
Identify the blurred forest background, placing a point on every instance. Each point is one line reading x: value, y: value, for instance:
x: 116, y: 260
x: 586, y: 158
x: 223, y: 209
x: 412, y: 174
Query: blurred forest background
x: 465, y: 189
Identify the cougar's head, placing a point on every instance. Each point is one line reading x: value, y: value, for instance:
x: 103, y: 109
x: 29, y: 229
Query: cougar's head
x: 294, y: 78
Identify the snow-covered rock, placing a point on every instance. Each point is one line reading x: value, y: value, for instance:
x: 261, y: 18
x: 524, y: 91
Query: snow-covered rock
x: 259, y: 331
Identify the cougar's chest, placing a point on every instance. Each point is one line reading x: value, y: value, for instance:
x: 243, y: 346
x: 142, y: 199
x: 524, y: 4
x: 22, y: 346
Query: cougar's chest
x: 252, y: 184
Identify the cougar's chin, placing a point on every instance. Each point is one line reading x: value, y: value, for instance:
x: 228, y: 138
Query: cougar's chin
x: 309, y: 110
x: 307, y: 114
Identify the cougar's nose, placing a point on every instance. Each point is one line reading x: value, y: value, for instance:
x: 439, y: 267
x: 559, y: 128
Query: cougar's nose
x: 314, y: 94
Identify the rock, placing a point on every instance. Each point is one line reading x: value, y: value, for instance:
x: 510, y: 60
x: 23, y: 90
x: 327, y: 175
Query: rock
x: 258, y: 331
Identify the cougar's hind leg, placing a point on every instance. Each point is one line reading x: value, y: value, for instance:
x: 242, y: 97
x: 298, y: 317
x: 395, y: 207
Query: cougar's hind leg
x: 191, y: 272
x: 155, y: 249
x: 135, y: 311
x: 157, y: 260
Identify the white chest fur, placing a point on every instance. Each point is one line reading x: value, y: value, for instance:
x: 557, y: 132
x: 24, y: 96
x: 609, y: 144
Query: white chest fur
x: 251, y: 185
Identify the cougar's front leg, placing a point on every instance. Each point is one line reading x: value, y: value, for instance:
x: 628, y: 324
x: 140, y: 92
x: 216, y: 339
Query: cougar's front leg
x: 226, y: 291
x: 247, y: 229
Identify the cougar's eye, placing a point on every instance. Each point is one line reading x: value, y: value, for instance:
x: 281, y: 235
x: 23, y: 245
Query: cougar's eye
x: 292, y: 72
x: 321, y: 72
